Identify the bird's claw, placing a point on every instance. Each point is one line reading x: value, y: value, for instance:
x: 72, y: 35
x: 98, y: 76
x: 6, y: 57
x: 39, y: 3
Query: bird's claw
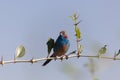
x: 55, y: 58
x: 61, y: 58
x: 66, y: 57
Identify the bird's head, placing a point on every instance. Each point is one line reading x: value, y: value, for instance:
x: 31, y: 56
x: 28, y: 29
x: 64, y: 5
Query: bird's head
x: 63, y: 33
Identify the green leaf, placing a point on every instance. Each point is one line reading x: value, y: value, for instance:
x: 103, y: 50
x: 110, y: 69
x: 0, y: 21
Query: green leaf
x: 96, y: 79
x: 20, y: 51
x: 78, y: 33
x: 72, y: 18
x: 75, y: 16
x: 102, y: 50
x: 80, y: 48
x: 50, y: 45
x: 69, y: 69
x: 116, y: 54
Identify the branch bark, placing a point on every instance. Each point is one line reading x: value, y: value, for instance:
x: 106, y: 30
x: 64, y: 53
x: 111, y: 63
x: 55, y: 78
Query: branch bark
x: 2, y: 62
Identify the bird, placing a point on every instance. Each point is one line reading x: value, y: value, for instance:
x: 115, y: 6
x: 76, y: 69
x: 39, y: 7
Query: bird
x: 61, y: 46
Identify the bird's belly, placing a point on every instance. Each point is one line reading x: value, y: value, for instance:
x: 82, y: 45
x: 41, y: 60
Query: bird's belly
x: 62, y: 51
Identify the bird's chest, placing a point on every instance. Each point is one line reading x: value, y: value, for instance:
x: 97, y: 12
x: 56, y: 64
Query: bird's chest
x: 62, y: 50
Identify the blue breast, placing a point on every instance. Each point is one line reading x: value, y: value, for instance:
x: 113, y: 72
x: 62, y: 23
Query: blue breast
x: 60, y: 42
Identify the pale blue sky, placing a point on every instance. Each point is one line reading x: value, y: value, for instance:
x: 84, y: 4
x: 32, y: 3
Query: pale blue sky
x: 32, y: 22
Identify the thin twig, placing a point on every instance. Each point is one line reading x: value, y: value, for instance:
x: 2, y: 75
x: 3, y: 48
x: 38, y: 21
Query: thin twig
x: 2, y: 62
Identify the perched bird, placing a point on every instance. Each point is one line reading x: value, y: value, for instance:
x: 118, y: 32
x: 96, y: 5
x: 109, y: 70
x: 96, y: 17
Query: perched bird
x: 61, y: 46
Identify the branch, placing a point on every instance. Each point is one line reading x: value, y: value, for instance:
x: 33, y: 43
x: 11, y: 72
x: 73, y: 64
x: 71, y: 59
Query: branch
x: 71, y: 55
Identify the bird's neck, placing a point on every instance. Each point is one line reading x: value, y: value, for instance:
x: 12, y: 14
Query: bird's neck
x: 66, y: 36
